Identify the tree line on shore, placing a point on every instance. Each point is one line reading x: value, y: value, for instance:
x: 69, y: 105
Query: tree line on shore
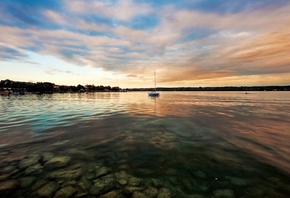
x: 47, y: 87
x: 228, y: 88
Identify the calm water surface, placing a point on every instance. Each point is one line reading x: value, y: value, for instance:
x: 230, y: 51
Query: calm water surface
x: 192, y: 144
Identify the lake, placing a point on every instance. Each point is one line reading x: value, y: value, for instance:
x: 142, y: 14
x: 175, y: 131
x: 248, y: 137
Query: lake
x: 181, y: 144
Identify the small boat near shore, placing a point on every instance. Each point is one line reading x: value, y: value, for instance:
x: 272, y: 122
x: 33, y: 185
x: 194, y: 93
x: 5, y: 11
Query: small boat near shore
x: 154, y: 93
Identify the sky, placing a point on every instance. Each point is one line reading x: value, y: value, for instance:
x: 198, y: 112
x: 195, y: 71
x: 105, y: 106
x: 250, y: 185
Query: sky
x: 189, y: 43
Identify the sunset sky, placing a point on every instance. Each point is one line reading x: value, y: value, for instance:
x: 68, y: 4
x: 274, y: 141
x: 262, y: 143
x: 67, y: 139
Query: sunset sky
x: 122, y: 42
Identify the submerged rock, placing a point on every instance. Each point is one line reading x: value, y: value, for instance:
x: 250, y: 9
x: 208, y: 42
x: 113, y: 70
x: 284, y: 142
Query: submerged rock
x: 76, y: 166
x: 7, y: 187
x: 35, y: 169
x: 203, y: 188
x: 164, y: 193
x: 65, y: 192
x: 121, y: 175
x: 29, y: 161
x: 237, y: 181
x: 78, y: 154
x: 64, y: 174
x: 196, y: 196
x: 4, y: 153
x: 84, y: 185
x: 188, y: 183
x: 7, y: 169
x: 122, y: 182
x: 102, y: 186
x: 151, y: 192
x: 112, y: 194
x: 38, y: 184
x: 200, y: 174
x: 102, y: 171
x: 257, y: 191
x: 90, y: 176
x: 26, y: 182
x: 67, y: 183
x: 134, y: 181
x: 132, y: 189
x: 124, y: 167
x: 46, y: 156
x: 4, y: 177
x: 57, y: 162
x: 157, y: 183
x: 81, y: 195
x: 224, y: 193
x: 138, y: 194
x: 47, y: 190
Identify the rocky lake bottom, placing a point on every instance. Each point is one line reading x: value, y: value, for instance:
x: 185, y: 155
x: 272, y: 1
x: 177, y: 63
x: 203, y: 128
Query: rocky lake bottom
x: 203, y: 145
x: 112, y: 170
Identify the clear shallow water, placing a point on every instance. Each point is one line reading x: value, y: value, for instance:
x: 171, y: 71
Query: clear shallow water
x: 206, y: 144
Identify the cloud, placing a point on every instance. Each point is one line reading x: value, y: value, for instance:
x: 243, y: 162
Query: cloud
x: 55, y: 17
x: 195, y: 40
x: 53, y: 71
x: 132, y: 75
x: 11, y: 53
x: 120, y: 10
x: 233, y: 49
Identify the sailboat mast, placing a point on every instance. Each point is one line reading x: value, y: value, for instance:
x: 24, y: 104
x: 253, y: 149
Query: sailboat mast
x: 154, y: 93
x: 155, y: 79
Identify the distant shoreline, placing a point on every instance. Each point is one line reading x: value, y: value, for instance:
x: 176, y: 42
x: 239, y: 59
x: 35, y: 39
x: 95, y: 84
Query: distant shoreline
x: 230, y: 88
x: 8, y: 87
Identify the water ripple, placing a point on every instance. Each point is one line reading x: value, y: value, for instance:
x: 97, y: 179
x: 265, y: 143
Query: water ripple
x: 257, y: 122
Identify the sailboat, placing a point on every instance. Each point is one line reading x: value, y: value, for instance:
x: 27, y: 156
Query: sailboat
x: 154, y: 93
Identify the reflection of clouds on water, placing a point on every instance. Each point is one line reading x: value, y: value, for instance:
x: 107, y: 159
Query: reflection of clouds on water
x: 257, y: 123
x: 263, y: 138
x: 193, y: 143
